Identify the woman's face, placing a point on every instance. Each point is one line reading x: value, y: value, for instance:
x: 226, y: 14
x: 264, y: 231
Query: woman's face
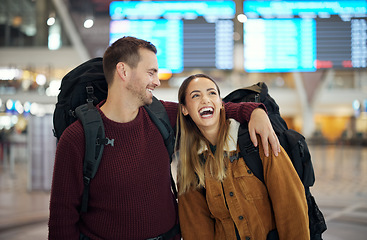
x: 203, y: 104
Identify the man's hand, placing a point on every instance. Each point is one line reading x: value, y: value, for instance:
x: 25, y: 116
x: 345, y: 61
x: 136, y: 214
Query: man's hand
x: 260, y: 124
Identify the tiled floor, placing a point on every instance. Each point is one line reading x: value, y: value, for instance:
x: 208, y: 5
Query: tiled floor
x: 340, y: 191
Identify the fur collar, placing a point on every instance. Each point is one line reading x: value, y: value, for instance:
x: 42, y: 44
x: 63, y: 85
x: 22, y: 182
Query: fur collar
x: 231, y: 140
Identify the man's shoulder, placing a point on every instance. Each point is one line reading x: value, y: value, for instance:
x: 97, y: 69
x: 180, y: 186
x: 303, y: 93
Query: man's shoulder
x: 73, y: 131
x: 169, y: 104
x: 171, y: 109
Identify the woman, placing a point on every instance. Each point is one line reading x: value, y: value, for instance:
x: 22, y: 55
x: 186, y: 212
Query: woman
x: 220, y: 199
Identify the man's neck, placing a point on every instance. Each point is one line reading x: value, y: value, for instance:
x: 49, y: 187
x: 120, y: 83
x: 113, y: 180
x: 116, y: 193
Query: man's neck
x: 119, y: 110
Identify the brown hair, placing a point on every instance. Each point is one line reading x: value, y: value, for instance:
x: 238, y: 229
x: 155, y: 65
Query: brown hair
x: 125, y: 50
x: 191, y: 168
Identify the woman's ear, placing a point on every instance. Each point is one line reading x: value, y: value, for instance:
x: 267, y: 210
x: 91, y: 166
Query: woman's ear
x: 184, y: 110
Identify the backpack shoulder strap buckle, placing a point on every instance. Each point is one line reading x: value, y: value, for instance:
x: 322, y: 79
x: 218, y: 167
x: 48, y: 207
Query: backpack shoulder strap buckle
x: 86, y: 180
x: 89, y: 89
x: 105, y: 141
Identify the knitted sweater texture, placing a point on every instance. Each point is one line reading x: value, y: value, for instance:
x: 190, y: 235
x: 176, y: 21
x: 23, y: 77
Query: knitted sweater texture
x: 130, y: 196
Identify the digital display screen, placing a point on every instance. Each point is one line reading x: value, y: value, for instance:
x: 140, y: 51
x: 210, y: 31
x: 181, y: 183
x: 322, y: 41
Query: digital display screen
x: 286, y: 36
x: 166, y: 35
x: 172, y: 9
x: 280, y: 45
x: 187, y: 34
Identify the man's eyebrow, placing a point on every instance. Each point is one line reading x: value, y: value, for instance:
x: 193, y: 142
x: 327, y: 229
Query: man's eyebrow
x: 209, y: 89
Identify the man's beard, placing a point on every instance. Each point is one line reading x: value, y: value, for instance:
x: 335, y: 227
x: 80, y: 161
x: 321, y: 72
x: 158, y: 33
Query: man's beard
x: 141, y: 95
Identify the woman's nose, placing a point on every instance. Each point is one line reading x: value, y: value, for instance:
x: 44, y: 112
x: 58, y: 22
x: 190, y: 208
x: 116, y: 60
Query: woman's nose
x: 205, y: 99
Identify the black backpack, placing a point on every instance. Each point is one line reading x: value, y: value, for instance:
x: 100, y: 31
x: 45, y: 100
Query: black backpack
x: 80, y: 91
x: 293, y: 142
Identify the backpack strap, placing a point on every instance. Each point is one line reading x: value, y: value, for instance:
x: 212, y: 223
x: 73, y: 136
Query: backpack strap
x: 158, y: 114
x: 94, y: 134
x: 263, y: 91
x: 249, y: 152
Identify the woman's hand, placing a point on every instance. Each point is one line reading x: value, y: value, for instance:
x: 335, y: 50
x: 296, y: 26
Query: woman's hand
x: 260, y: 124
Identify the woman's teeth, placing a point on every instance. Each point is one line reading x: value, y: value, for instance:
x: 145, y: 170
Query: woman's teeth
x: 206, y: 111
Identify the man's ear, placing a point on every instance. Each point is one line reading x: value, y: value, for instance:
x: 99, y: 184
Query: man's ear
x: 121, y: 70
x: 184, y: 110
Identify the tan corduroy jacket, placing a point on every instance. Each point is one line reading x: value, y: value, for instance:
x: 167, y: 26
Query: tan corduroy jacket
x: 242, y: 200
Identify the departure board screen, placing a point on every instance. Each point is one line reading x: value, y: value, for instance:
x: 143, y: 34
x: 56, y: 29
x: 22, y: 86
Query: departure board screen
x: 285, y: 36
x: 280, y: 45
x: 166, y: 35
x: 187, y: 34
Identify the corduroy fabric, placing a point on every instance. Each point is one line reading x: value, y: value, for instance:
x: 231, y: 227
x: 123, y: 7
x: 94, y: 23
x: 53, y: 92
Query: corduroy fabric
x: 242, y: 200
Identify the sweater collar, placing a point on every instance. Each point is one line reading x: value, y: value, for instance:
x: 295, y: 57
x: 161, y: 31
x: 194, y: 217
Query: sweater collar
x: 231, y: 139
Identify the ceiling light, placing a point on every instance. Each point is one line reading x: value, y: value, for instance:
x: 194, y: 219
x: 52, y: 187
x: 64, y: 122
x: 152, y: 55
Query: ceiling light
x: 51, y: 21
x: 88, y: 23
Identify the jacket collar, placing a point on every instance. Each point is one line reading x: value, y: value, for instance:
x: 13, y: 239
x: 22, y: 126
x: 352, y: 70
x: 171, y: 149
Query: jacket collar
x: 231, y: 140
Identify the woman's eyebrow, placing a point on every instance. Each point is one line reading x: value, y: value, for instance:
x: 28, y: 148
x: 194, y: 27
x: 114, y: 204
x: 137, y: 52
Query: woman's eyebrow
x: 194, y: 91
x: 197, y: 91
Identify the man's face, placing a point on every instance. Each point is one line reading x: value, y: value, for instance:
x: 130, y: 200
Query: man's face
x: 144, y: 78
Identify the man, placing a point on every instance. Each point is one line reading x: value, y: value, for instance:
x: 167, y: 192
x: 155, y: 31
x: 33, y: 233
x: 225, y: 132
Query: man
x: 130, y: 196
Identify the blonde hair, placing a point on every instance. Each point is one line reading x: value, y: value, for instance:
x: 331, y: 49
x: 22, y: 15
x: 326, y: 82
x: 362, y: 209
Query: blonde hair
x: 191, y: 167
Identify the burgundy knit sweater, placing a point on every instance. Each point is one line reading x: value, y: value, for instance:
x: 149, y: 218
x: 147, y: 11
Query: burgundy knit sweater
x: 130, y: 196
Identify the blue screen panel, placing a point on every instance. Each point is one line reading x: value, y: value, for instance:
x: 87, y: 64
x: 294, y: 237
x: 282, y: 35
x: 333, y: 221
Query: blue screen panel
x: 166, y: 35
x: 304, y: 35
x: 168, y: 9
x: 188, y: 34
x: 311, y: 8
x: 279, y: 45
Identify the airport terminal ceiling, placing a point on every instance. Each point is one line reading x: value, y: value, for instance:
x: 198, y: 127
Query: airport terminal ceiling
x: 29, y: 16
x: 277, y: 36
x: 95, y: 39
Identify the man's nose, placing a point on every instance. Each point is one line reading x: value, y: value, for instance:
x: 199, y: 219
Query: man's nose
x: 156, y: 81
